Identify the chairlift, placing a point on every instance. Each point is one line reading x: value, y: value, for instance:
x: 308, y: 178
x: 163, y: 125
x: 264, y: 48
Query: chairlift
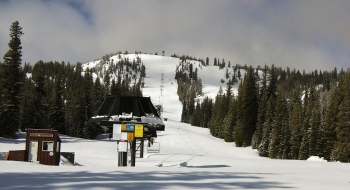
x: 153, y: 147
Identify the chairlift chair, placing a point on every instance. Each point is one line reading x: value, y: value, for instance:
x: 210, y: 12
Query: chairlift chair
x: 153, y: 147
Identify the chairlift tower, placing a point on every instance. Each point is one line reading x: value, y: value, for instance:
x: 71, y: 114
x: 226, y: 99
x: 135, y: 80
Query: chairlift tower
x: 161, y: 86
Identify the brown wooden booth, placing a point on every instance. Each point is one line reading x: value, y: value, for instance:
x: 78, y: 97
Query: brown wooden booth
x: 43, y: 146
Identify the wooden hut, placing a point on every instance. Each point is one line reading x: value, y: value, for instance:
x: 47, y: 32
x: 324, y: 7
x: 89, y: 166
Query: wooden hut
x: 43, y: 146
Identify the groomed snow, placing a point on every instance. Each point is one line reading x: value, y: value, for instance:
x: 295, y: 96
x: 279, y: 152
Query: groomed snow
x: 189, y: 158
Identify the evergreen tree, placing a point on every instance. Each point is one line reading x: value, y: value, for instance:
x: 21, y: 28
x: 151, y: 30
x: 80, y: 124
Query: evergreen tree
x: 217, y: 115
x: 11, y: 81
x: 279, y: 142
x: 267, y: 128
x: 27, y: 100
x: 56, y: 110
x: 330, y: 123
x: 296, y: 134
x: 303, y: 149
x: 263, y: 104
x: 341, y: 151
x: 40, y: 92
x: 309, y: 102
x: 195, y: 118
x: 1, y: 90
x: 272, y: 80
x: 230, y: 121
x: 249, y: 106
x: 206, y: 112
x: 316, y: 129
x: 184, y: 114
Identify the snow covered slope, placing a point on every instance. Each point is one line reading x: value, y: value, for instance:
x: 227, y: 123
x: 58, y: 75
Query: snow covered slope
x: 189, y: 158
x: 155, y: 66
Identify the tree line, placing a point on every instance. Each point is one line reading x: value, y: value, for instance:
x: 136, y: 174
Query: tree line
x: 59, y: 95
x: 284, y: 114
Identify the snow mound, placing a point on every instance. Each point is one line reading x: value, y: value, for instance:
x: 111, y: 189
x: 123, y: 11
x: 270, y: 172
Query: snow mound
x: 317, y: 159
x: 65, y: 162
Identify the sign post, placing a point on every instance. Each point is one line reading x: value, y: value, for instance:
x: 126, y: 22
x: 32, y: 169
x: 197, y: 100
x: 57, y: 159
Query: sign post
x: 128, y: 133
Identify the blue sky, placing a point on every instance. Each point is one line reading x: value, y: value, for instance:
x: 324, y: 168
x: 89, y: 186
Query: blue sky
x: 305, y: 35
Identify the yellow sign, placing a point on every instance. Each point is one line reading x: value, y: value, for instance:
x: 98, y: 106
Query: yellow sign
x: 138, y: 130
x: 130, y: 136
x: 123, y: 127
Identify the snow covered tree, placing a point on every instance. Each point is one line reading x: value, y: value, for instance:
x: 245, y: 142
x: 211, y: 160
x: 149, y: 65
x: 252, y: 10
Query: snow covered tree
x: 230, y: 120
x: 27, y: 113
x: 310, y: 98
x: 341, y: 151
x: 267, y: 128
x: 10, y: 83
x: 206, y: 112
x: 56, y: 109
x: 263, y: 103
x: 184, y: 114
x: 316, y: 129
x: 330, y: 123
x: 295, y: 123
x: 40, y: 93
x: 248, y: 105
x: 279, y: 142
x: 217, y: 114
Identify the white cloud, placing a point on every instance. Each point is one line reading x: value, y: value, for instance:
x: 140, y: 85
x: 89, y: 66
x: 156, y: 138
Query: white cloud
x: 299, y: 34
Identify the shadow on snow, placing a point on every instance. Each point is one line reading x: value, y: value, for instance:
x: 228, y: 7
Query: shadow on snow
x: 137, y: 180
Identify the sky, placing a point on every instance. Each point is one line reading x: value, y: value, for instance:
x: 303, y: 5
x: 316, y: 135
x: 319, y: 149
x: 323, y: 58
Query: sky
x: 305, y: 35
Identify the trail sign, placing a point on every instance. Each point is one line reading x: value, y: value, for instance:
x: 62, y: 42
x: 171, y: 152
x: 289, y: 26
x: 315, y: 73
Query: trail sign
x: 123, y: 127
x: 116, y: 131
x: 138, y: 130
x: 122, y: 146
x: 130, y: 136
x: 129, y: 127
x: 124, y: 136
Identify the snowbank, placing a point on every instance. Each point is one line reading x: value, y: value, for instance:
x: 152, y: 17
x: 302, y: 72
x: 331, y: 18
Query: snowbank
x: 317, y: 159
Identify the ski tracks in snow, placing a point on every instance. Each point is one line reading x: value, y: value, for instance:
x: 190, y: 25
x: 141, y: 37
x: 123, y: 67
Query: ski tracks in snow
x: 193, y: 142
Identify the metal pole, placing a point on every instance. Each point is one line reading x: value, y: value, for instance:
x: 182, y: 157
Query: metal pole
x: 133, y: 152
x: 123, y: 159
x: 120, y: 159
x: 141, y: 148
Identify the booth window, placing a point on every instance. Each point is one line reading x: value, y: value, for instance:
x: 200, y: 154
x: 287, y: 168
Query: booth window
x: 47, y: 145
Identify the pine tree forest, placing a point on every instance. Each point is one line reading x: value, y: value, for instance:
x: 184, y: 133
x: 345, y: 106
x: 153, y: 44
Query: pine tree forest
x: 283, y: 113
x: 59, y: 95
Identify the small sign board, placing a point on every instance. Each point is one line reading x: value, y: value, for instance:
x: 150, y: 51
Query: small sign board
x: 130, y: 136
x: 138, y: 130
x: 117, y: 128
x: 130, y: 127
x: 123, y: 127
x: 41, y: 135
x: 124, y: 136
x: 123, y: 146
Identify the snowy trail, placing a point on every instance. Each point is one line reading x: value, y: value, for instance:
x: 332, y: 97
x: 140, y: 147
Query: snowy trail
x: 189, y: 159
x: 182, y: 144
